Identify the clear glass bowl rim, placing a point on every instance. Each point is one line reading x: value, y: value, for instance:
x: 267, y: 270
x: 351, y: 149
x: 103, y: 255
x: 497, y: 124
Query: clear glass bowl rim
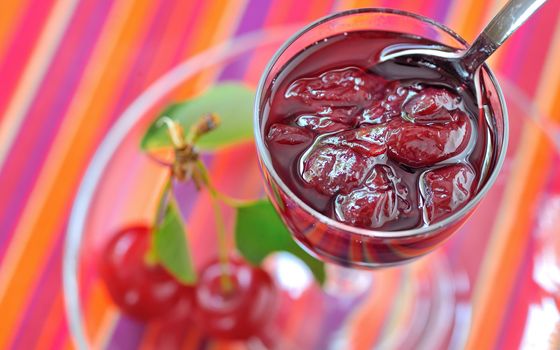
x: 267, y: 162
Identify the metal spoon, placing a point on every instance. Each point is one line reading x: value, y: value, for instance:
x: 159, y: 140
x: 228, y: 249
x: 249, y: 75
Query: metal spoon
x: 466, y: 63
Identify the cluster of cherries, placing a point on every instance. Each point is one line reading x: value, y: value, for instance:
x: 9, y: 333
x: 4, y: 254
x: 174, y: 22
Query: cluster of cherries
x: 379, y: 150
x: 146, y: 291
x: 231, y: 299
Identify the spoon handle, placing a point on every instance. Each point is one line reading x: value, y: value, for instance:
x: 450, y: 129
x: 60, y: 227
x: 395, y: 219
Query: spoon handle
x: 510, y: 17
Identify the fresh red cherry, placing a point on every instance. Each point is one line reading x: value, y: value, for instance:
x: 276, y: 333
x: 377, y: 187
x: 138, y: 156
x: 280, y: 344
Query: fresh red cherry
x: 445, y: 190
x: 345, y: 87
x: 382, y: 199
x: 419, y: 145
x: 184, y: 309
x: 242, y: 312
x: 141, y: 290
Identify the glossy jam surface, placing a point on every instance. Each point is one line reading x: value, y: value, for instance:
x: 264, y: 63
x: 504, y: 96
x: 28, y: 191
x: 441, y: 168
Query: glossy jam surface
x: 390, y: 152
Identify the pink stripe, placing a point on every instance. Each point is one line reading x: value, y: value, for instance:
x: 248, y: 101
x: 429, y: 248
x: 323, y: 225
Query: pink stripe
x: 62, y: 336
x: 515, y: 49
x: 45, y: 116
x: 531, y: 62
x: 20, y: 48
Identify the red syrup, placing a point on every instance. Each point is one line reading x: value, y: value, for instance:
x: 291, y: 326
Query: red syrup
x: 388, y: 152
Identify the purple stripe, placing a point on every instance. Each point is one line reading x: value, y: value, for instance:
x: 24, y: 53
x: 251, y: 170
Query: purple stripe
x: 188, y: 32
x: 45, y: 117
x: 253, y: 19
x: 127, y: 334
x: 440, y: 8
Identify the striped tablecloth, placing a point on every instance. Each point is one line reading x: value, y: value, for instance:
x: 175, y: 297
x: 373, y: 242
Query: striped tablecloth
x: 69, y: 68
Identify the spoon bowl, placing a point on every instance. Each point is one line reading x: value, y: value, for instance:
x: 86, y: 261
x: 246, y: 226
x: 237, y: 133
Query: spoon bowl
x: 465, y: 63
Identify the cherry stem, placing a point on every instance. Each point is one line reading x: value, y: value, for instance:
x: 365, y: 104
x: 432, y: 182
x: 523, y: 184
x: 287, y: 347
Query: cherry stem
x: 187, y: 166
x: 226, y: 281
x: 205, y: 124
x: 224, y: 198
x: 175, y: 132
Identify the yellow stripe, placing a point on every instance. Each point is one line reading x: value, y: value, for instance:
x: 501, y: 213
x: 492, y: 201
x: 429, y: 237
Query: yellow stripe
x: 34, y: 74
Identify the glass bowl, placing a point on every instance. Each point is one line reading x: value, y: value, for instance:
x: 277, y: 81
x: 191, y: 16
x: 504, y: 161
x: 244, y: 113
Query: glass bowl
x: 339, y: 243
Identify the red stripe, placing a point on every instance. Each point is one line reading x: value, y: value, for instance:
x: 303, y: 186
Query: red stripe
x: 46, y: 114
x: 22, y: 43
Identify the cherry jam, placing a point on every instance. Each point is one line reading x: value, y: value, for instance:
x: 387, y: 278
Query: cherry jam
x: 389, y: 151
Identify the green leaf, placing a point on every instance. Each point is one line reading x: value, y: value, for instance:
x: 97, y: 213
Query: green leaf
x: 171, y: 246
x: 232, y: 102
x: 259, y: 232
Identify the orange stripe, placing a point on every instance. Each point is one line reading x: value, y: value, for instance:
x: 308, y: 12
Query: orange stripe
x: 358, y: 4
x: 49, y: 199
x: 10, y: 14
x: 366, y: 324
x: 96, y: 309
x: 468, y: 17
x: 224, y: 28
x: 199, y: 40
x: 172, y: 36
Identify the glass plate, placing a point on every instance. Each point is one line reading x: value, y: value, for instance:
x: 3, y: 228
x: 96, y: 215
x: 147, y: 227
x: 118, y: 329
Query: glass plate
x: 424, y: 305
